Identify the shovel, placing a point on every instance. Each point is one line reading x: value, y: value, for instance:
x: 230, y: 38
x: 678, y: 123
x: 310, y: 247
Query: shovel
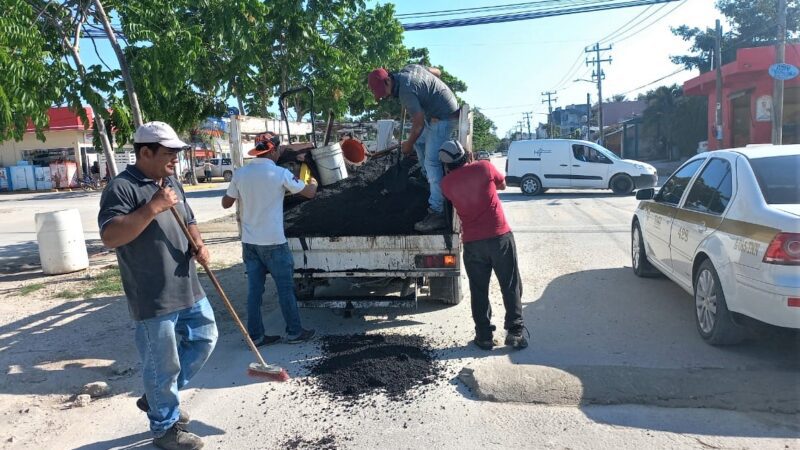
x: 396, y: 177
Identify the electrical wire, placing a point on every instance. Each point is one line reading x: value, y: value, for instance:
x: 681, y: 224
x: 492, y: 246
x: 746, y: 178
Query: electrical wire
x: 557, y: 11
x: 625, y: 38
x: 604, y: 38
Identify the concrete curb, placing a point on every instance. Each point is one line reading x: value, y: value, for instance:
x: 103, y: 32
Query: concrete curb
x: 728, y: 389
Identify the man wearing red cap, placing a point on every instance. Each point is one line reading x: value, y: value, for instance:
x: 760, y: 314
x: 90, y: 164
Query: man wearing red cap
x: 434, y: 119
x: 260, y: 186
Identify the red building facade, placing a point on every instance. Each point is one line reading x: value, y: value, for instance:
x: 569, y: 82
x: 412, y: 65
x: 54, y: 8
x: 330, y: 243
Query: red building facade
x: 747, y: 90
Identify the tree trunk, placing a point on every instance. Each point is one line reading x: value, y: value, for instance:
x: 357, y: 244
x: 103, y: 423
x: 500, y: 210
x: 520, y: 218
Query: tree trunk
x: 123, y: 64
x: 108, y: 150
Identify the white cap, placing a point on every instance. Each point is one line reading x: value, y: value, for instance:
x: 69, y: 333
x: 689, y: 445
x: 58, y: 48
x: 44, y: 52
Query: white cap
x: 158, y: 132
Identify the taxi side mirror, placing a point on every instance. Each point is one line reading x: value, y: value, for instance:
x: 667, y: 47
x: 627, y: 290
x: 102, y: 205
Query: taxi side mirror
x: 645, y: 194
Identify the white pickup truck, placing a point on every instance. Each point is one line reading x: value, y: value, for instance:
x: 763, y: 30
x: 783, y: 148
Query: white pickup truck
x: 372, y: 271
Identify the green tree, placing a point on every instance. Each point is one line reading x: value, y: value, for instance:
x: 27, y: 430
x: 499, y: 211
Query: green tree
x: 750, y: 23
x: 29, y: 72
x: 484, y: 132
x: 673, y: 122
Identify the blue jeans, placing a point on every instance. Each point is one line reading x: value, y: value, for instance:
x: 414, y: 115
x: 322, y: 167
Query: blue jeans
x: 277, y: 260
x: 427, y: 148
x: 173, y: 348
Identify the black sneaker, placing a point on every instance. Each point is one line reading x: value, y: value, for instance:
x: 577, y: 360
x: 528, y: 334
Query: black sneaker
x: 177, y: 438
x: 432, y: 222
x: 515, y: 339
x: 304, y: 336
x: 267, y: 340
x: 142, y: 404
x: 485, y: 344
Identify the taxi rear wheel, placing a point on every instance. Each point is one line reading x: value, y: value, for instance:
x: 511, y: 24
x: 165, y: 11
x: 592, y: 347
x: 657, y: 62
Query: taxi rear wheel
x: 641, y: 266
x: 713, y: 319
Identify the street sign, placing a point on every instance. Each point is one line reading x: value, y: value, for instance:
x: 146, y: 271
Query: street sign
x: 783, y: 71
x: 232, y: 111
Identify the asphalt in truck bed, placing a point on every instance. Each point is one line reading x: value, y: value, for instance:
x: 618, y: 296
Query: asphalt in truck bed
x: 359, y: 205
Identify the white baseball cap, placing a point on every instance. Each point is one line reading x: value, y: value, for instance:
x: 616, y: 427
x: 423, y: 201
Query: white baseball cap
x: 158, y: 132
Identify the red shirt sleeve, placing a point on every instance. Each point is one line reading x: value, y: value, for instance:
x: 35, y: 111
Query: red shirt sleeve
x: 497, y: 177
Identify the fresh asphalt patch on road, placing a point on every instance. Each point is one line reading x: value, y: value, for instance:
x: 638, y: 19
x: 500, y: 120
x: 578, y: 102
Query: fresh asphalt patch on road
x: 737, y: 390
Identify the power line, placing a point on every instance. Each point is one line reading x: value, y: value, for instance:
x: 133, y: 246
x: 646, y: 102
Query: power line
x: 462, y: 11
x: 617, y: 41
x: 500, y: 18
x: 603, y: 39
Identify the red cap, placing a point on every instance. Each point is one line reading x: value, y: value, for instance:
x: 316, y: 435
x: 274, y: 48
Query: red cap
x: 377, y: 82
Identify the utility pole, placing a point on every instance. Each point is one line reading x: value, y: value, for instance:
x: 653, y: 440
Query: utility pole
x: 598, y: 73
x: 528, y: 119
x: 549, y: 102
x: 718, y: 68
x: 780, y: 58
x: 588, y: 115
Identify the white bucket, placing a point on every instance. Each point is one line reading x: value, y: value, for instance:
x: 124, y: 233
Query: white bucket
x: 330, y: 164
x: 62, y: 248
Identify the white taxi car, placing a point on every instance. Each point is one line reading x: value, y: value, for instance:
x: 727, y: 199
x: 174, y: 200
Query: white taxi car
x: 726, y: 227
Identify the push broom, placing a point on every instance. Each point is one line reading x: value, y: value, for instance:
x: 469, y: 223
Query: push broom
x: 257, y: 369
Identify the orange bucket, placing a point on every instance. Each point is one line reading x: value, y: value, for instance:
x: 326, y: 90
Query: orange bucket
x: 354, y: 151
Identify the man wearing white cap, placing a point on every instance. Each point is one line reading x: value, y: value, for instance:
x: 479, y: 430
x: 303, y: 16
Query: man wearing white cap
x: 175, y: 326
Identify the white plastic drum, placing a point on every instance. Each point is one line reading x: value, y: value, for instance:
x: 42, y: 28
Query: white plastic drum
x: 330, y: 164
x: 62, y: 248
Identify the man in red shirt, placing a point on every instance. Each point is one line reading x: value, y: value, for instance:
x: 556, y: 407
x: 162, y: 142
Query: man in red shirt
x: 488, y: 242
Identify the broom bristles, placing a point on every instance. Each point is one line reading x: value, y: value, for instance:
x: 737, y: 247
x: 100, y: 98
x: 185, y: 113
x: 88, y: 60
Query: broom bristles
x: 268, y: 372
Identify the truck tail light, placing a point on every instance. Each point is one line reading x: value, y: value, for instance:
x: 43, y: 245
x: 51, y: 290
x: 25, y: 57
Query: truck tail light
x: 784, y: 249
x: 435, y: 261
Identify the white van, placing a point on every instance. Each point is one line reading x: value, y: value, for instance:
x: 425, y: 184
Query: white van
x: 541, y: 164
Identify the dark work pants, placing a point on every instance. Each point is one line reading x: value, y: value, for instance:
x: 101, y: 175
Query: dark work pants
x: 480, y: 258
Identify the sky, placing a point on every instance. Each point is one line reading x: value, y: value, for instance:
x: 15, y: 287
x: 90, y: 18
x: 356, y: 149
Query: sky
x: 507, y: 66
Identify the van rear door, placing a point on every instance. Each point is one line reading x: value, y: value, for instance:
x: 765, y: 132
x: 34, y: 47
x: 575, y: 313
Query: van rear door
x: 555, y: 159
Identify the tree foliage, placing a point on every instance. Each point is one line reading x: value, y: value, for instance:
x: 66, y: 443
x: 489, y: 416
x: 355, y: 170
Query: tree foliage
x: 484, y: 132
x: 750, y: 23
x: 29, y: 72
x: 673, y: 122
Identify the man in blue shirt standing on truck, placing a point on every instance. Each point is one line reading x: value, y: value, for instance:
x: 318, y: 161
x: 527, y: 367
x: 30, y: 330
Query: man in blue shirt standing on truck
x: 434, y: 119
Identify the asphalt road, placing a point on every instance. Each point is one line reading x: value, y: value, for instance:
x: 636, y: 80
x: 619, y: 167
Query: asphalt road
x: 590, y: 320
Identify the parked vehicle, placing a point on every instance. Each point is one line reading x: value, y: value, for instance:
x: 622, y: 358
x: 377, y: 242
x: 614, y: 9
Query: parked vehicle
x: 726, y: 228
x: 220, y: 167
x: 541, y: 164
x: 482, y: 155
x: 375, y: 271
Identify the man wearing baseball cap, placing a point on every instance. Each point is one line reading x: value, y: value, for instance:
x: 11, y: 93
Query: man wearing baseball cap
x: 260, y: 187
x: 488, y: 242
x: 175, y: 326
x: 434, y: 119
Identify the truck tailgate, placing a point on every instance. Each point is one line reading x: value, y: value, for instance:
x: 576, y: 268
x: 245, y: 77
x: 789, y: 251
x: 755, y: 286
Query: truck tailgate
x: 369, y: 253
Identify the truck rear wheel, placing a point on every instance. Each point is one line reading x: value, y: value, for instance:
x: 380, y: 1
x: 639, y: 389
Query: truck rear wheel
x: 446, y: 289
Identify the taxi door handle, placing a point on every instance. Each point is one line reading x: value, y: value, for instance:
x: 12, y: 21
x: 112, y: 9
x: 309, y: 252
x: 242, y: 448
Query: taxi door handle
x: 576, y: 165
x: 564, y: 165
x: 701, y: 227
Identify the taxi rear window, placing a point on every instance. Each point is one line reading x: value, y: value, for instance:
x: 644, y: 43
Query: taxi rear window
x: 779, y: 178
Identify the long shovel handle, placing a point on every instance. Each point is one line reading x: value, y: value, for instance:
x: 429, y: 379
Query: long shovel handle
x: 216, y: 284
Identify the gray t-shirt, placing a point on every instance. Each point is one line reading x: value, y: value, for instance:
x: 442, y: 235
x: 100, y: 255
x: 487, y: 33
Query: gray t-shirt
x: 158, y: 272
x: 420, y: 90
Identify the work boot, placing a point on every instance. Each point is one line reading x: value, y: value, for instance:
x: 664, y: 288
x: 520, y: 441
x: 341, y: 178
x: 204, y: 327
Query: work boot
x: 515, y: 339
x: 305, y: 335
x: 432, y: 222
x: 484, y: 344
x: 266, y: 340
x: 177, y: 438
x: 142, y: 404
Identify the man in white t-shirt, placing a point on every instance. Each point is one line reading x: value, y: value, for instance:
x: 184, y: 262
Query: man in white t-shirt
x: 260, y: 187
